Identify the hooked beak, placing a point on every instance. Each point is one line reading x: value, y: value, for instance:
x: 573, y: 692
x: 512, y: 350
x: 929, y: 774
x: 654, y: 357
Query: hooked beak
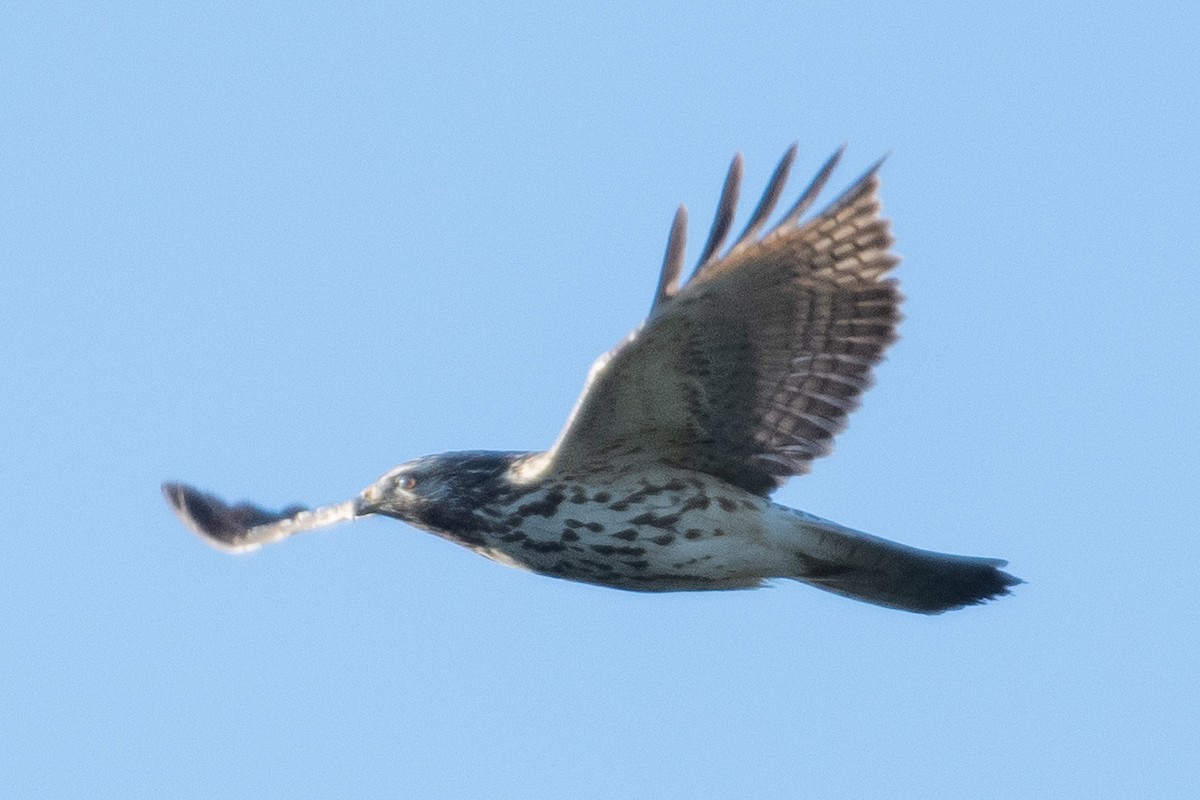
x: 368, y: 502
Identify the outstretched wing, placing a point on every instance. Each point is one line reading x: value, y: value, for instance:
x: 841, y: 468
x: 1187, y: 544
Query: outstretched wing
x: 750, y: 369
x: 245, y: 527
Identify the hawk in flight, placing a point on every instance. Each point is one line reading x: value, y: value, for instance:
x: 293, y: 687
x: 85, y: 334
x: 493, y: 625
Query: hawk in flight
x: 661, y: 478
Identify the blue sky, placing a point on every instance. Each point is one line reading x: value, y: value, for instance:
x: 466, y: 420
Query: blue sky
x: 275, y: 249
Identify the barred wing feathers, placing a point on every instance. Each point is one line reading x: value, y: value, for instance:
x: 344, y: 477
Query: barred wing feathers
x: 750, y: 369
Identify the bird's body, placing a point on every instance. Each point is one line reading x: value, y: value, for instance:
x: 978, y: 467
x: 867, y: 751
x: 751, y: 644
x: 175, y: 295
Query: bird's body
x: 661, y: 478
x: 631, y: 527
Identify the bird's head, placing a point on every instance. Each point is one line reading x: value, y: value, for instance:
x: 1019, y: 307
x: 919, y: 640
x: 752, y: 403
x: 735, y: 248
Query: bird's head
x: 439, y: 492
x: 403, y: 493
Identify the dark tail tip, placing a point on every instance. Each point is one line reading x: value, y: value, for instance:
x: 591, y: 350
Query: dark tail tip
x: 967, y: 585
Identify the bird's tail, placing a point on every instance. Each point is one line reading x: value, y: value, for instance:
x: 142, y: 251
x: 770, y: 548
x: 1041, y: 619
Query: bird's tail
x: 875, y: 570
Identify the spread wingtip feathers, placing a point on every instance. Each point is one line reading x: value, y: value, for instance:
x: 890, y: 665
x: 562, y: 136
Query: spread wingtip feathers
x: 672, y: 268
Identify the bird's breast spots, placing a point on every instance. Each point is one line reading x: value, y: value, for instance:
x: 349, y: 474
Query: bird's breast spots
x: 467, y: 538
x: 593, y: 526
x: 545, y: 506
x: 691, y: 562
x: 543, y: 546
x: 620, y: 519
x: 649, y: 519
x: 611, y: 550
x: 643, y: 493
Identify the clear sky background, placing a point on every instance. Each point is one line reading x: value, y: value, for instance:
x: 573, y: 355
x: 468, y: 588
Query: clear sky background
x: 274, y: 249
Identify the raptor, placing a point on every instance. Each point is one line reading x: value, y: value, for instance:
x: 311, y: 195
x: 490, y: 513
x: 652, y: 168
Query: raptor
x: 660, y: 480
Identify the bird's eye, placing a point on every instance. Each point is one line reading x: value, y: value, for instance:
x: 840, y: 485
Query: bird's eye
x: 407, y: 483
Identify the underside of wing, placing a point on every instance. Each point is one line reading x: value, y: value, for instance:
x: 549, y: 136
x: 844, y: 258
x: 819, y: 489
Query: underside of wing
x: 750, y: 369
